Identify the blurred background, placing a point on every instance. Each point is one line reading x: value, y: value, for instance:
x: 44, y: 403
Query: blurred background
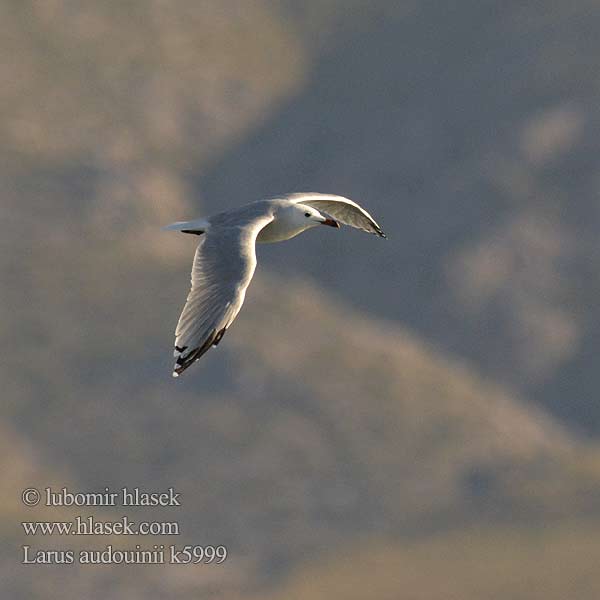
x: 415, y: 418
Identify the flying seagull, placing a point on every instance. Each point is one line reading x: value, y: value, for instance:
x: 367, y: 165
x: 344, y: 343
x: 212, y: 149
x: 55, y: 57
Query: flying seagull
x: 226, y: 258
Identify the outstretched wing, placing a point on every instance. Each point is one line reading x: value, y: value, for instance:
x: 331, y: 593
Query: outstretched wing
x: 223, y: 268
x: 341, y: 209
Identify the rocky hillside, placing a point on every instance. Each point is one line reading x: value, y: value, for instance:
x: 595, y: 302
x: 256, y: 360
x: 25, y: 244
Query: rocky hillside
x: 471, y: 131
x: 370, y: 391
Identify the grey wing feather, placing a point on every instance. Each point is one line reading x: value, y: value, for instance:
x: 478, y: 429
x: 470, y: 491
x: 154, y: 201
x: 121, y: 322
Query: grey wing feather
x: 223, y: 267
x: 341, y: 209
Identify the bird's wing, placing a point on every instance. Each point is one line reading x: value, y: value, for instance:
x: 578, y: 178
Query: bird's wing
x: 341, y: 209
x: 223, y: 267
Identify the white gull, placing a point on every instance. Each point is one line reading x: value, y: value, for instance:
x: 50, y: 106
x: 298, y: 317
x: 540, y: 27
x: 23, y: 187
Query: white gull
x: 226, y: 258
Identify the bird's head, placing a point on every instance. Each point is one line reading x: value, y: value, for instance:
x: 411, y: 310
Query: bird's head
x: 292, y: 219
x: 304, y: 217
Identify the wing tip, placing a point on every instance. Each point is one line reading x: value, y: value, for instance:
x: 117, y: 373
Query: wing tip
x: 180, y: 367
x: 183, y: 362
x: 376, y: 230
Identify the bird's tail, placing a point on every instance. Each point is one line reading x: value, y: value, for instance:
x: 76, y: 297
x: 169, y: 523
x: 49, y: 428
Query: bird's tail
x: 196, y: 227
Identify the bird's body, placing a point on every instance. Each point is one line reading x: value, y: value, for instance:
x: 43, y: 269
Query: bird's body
x: 225, y: 259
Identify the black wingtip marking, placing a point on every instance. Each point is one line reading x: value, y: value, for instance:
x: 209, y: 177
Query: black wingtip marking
x: 193, y: 231
x: 219, y: 336
x: 379, y: 232
x: 183, y: 362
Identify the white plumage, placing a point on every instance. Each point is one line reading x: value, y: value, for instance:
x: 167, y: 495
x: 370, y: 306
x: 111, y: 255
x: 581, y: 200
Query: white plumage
x: 225, y: 259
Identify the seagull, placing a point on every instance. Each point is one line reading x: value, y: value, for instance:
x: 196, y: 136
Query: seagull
x: 225, y: 259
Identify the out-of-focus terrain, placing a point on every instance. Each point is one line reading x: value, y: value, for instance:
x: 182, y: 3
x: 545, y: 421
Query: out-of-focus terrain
x: 415, y: 418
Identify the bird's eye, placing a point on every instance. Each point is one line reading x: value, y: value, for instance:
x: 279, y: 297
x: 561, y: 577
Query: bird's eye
x: 307, y: 214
